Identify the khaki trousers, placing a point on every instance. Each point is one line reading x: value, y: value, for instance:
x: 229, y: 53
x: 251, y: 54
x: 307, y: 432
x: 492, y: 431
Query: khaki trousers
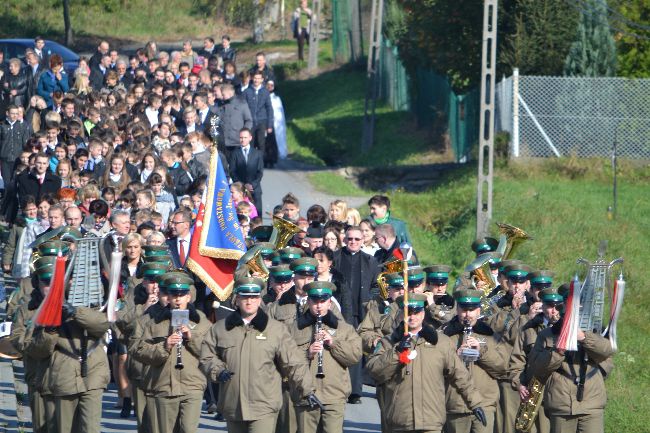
x: 467, y: 423
x: 179, y: 414
x: 146, y: 423
x: 262, y: 425
x: 83, y: 411
x: 150, y: 412
x: 287, y: 422
x: 380, y: 391
x: 42, y: 408
x: 592, y: 423
x: 509, y: 404
x: 330, y: 419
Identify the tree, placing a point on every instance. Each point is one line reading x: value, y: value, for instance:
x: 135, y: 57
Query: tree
x: 593, y: 54
x: 633, y: 39
x: 66, y: 22
x: 541, y: 38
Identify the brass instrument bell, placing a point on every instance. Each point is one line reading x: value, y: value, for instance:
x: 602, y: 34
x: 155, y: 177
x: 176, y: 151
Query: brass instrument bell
x: 284, y: 231
x: 510, y: 239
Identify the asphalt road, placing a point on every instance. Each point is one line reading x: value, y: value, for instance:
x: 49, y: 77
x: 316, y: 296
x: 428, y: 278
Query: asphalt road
x: 360, y: 418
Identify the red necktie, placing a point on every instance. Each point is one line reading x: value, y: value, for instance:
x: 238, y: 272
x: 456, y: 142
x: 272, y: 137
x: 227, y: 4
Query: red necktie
x: 182, y: 251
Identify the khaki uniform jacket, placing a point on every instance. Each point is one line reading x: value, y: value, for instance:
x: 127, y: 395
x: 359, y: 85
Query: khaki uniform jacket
x: 285, y: 309
x: 162, y: 378
x: 442, y: 310
x: 412, y: 401
x: 63, y: 376
x: 483, y: 372
x: 559, y: 372
x: 344, y: 352
x: 519, y: 375
x: 370, y: 327
x: 135, y: 369
x: 21, y: 296
x: 259, y: 354
x: 35, y: 357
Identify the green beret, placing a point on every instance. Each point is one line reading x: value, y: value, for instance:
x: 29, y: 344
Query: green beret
x: 304, y: 265
x: 267, y: 248
x: 551, y: 296
x: 70, y: 234
x: 53, y: 248
x: 541, y: 277
x: 417, y: 300
x: 275, y: 258
x: 437, y: 273
x: 468, y: 297
x: 155, y: 250
x: 44, y: 267
x: 248, y: 286
x: 281, y: 272
x: 175, y: 282
x: 415, y: 276
x: 518, y: 270
x: 396, y: 279
x: 291, y: 253
x: 159, y: 259
x: 484, y: 245
x: 151, y: 270
x: 505, y: 263
x: 320, y: 289
x: 262, y: 233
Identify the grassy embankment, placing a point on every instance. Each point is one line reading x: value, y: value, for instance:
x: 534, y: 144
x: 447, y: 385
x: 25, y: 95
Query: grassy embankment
x: 561, y: 202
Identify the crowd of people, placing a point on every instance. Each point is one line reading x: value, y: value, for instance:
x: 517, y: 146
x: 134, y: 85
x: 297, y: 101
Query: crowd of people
x: 123, y: 155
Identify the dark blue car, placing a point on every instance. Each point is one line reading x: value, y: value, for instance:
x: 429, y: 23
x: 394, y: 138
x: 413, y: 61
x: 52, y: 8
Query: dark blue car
x: 15, y: 48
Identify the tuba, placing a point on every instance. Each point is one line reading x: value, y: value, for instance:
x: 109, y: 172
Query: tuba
x: 254, y: 262
x: 510, y: 239
x: 284, y: 230
x: 391, y: 266
x: 479, y: 271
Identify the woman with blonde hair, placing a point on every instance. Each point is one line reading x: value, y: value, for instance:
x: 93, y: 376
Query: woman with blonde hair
x: 338, y: 211
x: 115, y: 174
x: 353, y: 217
x: 81, y: 83
x: 64, y: 170
x: 145, y: 199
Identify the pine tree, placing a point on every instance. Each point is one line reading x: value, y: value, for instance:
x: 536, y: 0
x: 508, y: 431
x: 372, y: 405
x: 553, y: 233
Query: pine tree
x: 593, y: 54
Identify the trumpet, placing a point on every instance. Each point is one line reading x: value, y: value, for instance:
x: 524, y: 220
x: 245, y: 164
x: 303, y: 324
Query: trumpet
x: 317, y: 330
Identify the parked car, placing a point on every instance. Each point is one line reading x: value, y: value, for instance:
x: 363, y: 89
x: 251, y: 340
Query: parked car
x: 15, y: 48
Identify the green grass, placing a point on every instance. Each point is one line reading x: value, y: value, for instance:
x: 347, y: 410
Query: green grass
x: 325, y: 118
x: 118, y: 19
x: 562, y: 203
x: 327, y: 181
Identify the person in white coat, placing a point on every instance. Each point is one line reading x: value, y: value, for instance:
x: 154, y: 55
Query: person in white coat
x: 279, y: 121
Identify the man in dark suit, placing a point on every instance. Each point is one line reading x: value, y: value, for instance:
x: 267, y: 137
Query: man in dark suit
x: 205, y: 116
x: 247, y: 167
x: 226, y: 52
x: 39, y: 181
x: 33, y: 71
x: 179, y: 243
x: 98, y: 74
x: 360, y: 270
x: 102, y: 49
x: 259, y: 102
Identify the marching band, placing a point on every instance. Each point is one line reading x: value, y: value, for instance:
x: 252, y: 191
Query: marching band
x: 491, y: 354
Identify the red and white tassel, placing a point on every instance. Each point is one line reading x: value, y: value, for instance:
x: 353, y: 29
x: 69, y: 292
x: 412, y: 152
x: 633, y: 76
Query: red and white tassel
x: 568, y: 339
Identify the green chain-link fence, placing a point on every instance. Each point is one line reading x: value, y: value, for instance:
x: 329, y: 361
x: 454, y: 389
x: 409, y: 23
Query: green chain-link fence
x: 340, y: 31
x: 432, y: 100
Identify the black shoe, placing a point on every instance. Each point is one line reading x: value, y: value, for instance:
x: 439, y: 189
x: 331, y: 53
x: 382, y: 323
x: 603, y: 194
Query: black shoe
x: 126, y: 408
x: 354, y: 399
x: 218, y: 417
x: 212, y: 408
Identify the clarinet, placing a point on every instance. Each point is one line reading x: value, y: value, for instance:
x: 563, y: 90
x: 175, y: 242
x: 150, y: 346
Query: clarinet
x: 179, y: 346
x: 319, y: 326
x: 467, y: 332
x: 468, y: 355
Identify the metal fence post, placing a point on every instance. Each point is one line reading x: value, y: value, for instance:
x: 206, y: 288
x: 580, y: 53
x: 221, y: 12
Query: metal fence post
x: 515, y: 112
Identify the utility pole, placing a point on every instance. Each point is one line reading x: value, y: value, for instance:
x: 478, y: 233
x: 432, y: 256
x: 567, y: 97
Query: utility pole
x: 355, y: 31
x: 374, y: 48
x: 314, y: 35
x: 486, y: 129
